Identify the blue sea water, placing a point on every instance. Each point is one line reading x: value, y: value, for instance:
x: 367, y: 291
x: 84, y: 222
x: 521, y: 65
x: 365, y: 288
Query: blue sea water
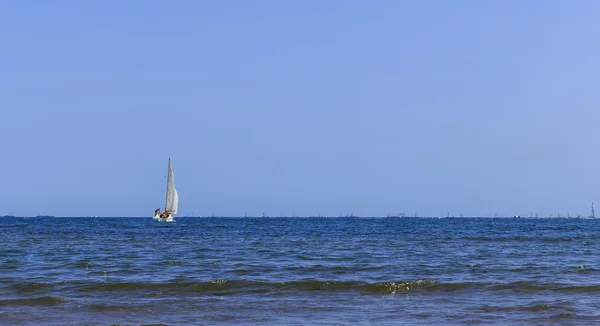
x: 299, y: 271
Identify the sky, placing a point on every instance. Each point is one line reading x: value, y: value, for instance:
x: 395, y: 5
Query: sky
x: 300, y: 107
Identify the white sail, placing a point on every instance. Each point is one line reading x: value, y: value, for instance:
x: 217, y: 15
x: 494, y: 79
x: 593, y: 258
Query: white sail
x: 172, y: 196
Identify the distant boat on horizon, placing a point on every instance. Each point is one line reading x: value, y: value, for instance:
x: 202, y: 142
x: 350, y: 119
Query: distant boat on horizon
x: 593, y: 213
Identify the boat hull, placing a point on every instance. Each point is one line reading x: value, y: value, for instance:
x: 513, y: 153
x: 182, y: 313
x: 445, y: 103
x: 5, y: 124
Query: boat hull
x: 166, y: 219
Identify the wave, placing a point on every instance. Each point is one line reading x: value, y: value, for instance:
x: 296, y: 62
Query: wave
x: 538, y: 307
x: 232, y: 287
x: 524, y: 238
x: 547, y: 307
x: 115, y: 308
x: 172, y: 263
x: 42, y: 301
x: 237, y: 286
x: 241, y: 286
x: 30, y: 287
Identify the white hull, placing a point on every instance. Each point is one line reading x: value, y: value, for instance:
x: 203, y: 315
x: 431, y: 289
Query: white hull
x: 156, y: 217
x: 168, y: 219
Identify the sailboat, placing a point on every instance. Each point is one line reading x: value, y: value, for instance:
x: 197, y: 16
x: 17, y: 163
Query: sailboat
x: 172, y: 198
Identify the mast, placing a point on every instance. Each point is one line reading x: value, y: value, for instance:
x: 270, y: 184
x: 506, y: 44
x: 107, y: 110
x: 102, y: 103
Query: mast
x: 167, y: 190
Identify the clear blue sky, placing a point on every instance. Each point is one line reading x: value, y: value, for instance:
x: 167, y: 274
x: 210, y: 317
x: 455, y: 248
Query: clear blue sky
x: 305, y: 107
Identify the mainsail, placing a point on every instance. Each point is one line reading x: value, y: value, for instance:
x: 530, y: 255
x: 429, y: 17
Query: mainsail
x: 172, y: 196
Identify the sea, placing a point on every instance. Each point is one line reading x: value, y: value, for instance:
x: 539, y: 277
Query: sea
x: 299, y: 271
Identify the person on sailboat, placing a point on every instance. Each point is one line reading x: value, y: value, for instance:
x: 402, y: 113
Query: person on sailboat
x: 157, y: 211
x: 165, y: 214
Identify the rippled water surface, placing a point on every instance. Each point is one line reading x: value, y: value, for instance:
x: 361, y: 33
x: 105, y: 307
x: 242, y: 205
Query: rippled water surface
x: 101, y: 271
